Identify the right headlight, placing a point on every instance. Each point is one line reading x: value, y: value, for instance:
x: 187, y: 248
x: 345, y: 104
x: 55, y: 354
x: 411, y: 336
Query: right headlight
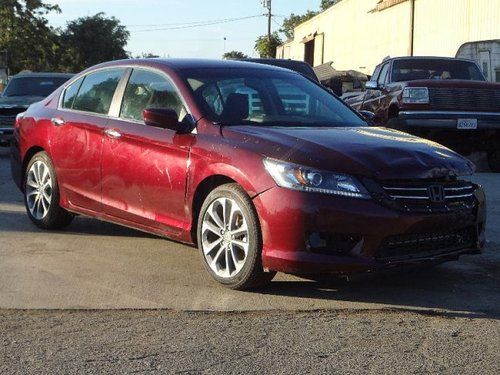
x: 297, y: 177
x: 416, y: 95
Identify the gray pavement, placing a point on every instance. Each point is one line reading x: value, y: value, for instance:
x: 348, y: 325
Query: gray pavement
x: 96, y: 265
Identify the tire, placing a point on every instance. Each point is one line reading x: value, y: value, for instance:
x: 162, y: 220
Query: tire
x: 41, y: 194
x: 494, y: 160
x: 231, y: 245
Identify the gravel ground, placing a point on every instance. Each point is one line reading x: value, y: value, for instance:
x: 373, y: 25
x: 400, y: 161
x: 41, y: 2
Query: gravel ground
x: 127, y: 341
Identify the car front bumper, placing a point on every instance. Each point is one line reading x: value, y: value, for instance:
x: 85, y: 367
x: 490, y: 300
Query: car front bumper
x: 291, y: 221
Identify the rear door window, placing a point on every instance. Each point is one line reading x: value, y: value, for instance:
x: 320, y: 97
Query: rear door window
x: 97, y: 91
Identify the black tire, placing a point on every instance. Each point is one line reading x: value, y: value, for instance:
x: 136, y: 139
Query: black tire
x: 56, y: 216
x: 494, y: 160
x: 251, y: 275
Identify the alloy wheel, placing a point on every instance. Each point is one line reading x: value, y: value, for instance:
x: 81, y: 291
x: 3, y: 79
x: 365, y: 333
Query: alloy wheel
x: 225, y: 237
x: 39, y: 190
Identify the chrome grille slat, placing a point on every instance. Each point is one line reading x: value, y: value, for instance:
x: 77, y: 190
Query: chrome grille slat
x: 414, y: 196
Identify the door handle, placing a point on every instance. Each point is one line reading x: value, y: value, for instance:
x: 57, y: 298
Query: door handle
x: 57, y: 121
x: 112, y: 133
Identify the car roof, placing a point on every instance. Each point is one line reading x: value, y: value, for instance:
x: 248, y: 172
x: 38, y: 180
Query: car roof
x: 426, y: 58
x: 179, y: 64
x: 43, y: 74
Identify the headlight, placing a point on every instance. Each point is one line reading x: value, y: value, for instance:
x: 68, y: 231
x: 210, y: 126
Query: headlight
x: 416, y: 95
x: 297, y: 177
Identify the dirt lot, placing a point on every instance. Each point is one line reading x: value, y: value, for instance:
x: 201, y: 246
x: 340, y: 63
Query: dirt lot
x: 346, y: 342
x: 443, y: 319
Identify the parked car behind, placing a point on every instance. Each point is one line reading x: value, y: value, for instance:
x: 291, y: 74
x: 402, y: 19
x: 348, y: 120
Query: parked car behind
x: 174, y: 147
x: 444, y: 99
x: 300, y: 67
x: 24, y: 89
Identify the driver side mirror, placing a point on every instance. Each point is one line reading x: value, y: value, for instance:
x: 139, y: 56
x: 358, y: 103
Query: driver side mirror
x: 372, y: 85
x: 166, y: 119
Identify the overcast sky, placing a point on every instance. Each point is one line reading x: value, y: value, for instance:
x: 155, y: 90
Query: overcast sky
x: 141, y: 16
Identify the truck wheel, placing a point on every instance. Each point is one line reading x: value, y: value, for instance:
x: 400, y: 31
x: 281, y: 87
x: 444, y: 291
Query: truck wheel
x: 494, y: 160
x: 230, y: 240
x: 41, y: 194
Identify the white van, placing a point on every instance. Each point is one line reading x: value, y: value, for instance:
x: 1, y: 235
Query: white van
x: 486, y: 54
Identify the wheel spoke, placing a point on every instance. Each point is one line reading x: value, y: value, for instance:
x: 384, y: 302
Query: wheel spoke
x: 215, y: 216
x: 241, y: 244
x: 208, y: 247
x: 236, y: 263
x: 212, y: 228
x: 241, y: 230
x: 215, y: 259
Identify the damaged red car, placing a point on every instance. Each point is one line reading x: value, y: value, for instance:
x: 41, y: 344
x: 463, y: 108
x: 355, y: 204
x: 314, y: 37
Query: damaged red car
x: 263, y: 169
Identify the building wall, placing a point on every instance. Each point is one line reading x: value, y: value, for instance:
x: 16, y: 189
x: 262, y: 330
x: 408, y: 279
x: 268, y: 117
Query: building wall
x: 358, y: 37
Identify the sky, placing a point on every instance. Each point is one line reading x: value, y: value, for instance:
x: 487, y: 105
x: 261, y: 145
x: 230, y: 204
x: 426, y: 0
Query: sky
x: 143, y: 18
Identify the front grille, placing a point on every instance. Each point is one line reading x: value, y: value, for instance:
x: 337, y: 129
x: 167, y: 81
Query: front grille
x: 426, y: 244
x: 7, y: 121
x: 465, y: 99
x: 430, y: 196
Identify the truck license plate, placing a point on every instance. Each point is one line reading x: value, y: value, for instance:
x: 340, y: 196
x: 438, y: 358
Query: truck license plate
x: 467, y: 123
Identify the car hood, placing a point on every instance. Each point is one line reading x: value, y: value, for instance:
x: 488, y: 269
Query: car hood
x: 18, y: 101
x: 364, y: 151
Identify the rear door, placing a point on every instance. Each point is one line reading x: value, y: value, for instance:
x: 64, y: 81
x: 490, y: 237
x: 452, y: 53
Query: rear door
x: 77, y: 137
x: 144, y: 168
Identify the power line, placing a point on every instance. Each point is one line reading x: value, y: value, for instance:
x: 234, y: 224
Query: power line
x: 199, y: 24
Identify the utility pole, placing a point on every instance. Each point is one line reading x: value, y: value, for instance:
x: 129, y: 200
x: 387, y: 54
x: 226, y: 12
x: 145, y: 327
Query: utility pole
x: 268, y: 5
x: 412, y: 26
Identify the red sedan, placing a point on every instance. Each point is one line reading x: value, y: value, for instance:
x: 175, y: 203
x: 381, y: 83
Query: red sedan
x: 262, y: 168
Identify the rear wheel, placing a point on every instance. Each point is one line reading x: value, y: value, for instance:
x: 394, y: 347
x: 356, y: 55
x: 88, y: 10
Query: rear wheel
x: 41, y: 194
x: 229, y: 239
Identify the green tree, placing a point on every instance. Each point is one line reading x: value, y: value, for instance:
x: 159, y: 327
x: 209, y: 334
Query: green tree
x: 25, y: 34
x: 291, y: 22
x: 234, y: 55
x: 265, y: 47
x: 92, y: 40
x: 325, y: 4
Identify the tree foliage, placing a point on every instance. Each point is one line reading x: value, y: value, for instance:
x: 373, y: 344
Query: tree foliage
x: 26, y: 35
x: 32, y: 44
x: 234, y: 55
x: 92, y: 40
x: 291, y: 22
x: 325, y: 4
x: 265, y: 47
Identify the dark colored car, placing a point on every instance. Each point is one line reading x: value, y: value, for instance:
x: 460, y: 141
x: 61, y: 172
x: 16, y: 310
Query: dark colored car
x: 23, y: 90
x: 297, y: 66
x: 217, y: 153
x: 444, y: 99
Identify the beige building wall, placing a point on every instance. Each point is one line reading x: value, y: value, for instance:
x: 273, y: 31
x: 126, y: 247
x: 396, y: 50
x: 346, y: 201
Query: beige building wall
x: 354, y: 35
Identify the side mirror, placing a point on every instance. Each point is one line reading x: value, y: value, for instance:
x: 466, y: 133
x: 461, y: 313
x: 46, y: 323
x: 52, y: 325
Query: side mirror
x: 368, y: 116
x: 165, y: 119
x: 372, y: 85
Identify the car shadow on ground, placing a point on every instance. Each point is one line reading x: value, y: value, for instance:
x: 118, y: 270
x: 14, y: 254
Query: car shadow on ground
x: 18, y: 221
x: 469, y: 287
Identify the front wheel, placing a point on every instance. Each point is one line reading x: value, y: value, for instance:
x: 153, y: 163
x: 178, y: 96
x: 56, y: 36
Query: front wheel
x: 41, y: 194
x: 230, y: 240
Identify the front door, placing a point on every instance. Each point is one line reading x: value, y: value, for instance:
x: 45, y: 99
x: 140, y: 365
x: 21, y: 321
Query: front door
x: 144, y: 169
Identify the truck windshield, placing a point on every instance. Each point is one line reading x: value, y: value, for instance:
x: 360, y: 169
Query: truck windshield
x: 266, y: 98
x: 417, y: 69
x: 33, y: 86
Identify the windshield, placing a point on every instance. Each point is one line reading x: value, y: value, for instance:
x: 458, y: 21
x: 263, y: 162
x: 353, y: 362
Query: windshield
x: 416, y: 69
x: 33, y: 86
x: 267, y: 98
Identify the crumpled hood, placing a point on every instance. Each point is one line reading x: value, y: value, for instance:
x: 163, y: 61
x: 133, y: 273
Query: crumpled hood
x: 18, y: 101
x: 365, y: 151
